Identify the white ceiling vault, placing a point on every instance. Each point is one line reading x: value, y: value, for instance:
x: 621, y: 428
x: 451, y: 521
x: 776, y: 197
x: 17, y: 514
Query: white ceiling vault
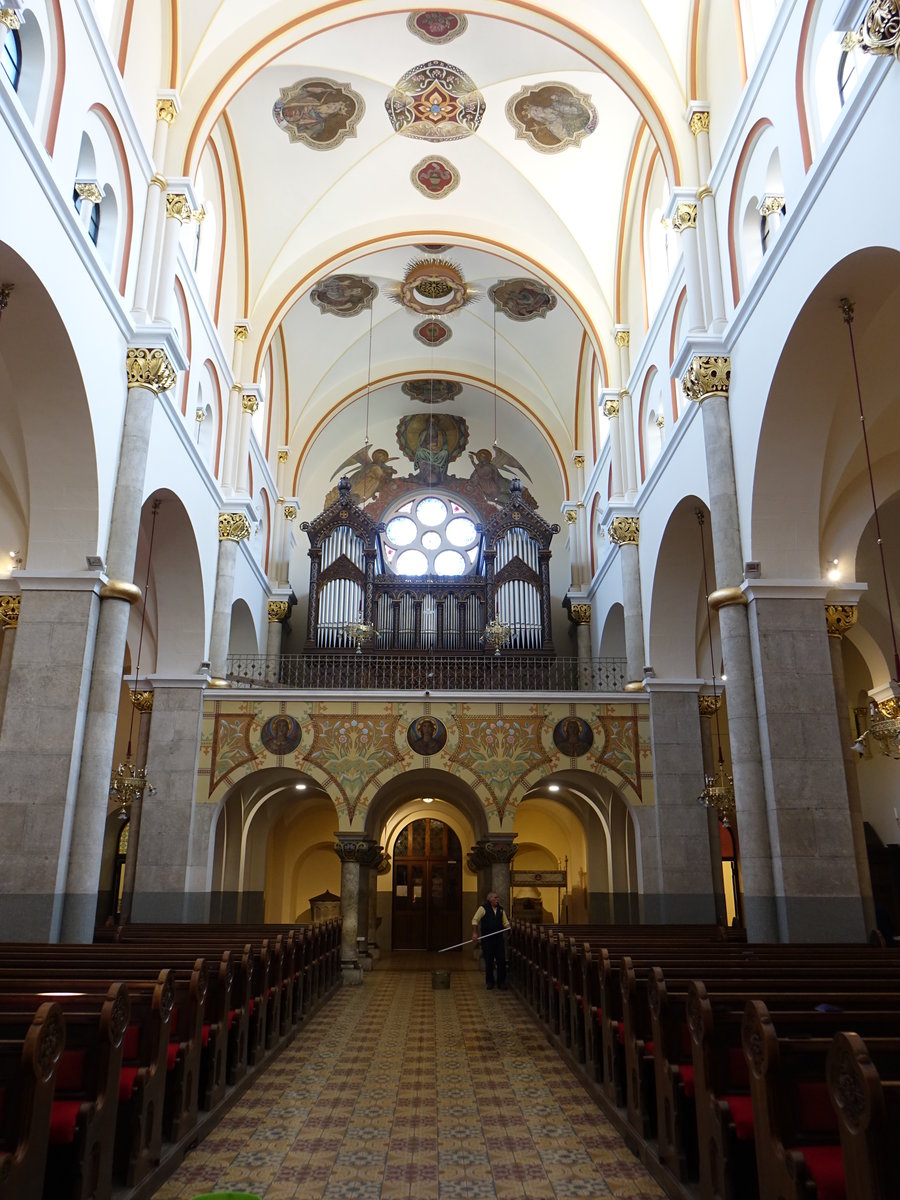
x: 309, y: 211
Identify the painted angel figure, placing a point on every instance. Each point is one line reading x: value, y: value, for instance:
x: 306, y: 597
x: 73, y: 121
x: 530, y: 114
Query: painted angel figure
x: 368, y: 477
x: 488, y: 474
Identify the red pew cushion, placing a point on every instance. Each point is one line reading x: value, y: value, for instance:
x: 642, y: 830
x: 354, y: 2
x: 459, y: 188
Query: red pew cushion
x: 174, y: 1047
x: 127, y: 1076
x: 826, y: 1165
x: 687, y: 1080
x: 738, y: 1071
x: 131, y: 1042
x: 70, y: 1072
x: 63, y: 1118
x: 741, y: 1108
x: 815, y: 1113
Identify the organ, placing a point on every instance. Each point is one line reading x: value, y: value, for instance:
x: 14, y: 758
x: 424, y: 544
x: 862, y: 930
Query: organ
x: 431, y: 575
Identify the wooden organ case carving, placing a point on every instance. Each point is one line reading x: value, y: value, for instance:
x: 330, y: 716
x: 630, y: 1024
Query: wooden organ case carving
x: 510, y: 580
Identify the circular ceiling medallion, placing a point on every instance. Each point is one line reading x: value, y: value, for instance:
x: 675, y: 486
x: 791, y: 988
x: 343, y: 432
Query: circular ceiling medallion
x: 522, y: 299
x: 551, y: 116
x: 436, y: 26
x: 433, y: 332
x: 344, y: 295
x: 432, y: 285
x: 434, y: 177
x: 320, y: 113
x: 431, y: 391
x: 435, y: 102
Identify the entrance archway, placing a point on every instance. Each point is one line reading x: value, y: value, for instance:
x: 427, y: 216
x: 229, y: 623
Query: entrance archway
x: 426, y: 909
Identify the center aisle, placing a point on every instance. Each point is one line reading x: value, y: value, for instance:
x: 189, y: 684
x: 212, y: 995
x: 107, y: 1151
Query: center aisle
x: 398, y: 1090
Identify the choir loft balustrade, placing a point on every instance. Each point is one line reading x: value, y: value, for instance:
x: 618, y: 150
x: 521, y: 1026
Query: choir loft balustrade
x: 378, y: 671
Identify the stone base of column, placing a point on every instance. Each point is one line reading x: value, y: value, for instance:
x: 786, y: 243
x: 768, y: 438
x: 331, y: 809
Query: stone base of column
x: 351, y: 973
x: 374, y: 951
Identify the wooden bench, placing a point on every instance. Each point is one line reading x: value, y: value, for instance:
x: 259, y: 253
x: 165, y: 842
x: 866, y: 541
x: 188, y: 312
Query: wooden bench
x: 31, y: 1045
x: 864, y: 1085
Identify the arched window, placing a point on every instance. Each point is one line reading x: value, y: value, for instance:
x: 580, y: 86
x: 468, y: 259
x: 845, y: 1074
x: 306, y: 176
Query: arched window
x: 12, y: 57
x: 431, y: 536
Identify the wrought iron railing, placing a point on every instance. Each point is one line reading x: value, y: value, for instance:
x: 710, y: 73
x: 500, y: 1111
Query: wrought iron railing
x: 427, y: 672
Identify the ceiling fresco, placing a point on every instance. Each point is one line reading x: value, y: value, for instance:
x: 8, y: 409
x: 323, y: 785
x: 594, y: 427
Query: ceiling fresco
x: 433, y: 332
x: 435, y: 102
x: 436, y: 26
x: 434, y: 177
x: 320, y: 113
x: 344, y: 295
x: 551, y: 116
x: 431, y: 391
x: 522, y: 299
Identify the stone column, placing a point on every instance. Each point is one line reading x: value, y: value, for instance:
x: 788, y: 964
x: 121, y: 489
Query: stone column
x: 357, y: 855
x: 611, y: 412
x: 277, y: 611
x: 143, y: 703
x: 580, y: 615
x: 707, y: 382
x: 491, y: 858
x: 249, y: 405
x: 233, y: 528
x: 838, y: 619
x: 626, y: 409
x: 813, y: 862
x: 708, y: 708
x: 699, y: 124
x: 582, y: 550
x: 233, y: 410
x: 172, y: 873
x: 178, y: 213
x: 166, y: 110
x: 383, y: 867
x: 624, y: 532
x: 682, y: 841
x: 41, y: 739
x: 9, y: 621
x: 149, y: 373
x: 684, y: 221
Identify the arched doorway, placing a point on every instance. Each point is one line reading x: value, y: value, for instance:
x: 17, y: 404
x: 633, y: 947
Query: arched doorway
x: 427, y: 886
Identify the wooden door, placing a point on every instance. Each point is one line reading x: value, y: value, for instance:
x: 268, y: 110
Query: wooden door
x: 427, y: 895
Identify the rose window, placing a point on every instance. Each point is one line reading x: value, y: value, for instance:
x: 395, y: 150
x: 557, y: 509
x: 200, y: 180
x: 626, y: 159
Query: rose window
x: 431, y: 536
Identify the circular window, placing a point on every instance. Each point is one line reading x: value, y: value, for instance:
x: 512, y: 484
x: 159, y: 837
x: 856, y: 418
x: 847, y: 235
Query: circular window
x: 431, y: 536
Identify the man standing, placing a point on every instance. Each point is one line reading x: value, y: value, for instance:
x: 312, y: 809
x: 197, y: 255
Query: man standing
x: 491, y: 919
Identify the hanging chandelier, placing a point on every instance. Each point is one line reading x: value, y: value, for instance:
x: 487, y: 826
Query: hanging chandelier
x: 496, y: 634
x: 361, y: 632
x: 718, y: 791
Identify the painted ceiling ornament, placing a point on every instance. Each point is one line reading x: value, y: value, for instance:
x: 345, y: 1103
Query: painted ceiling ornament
x: 320, y: 113
x: 436, y: 102
x: 436, y: 26
x: 344, y: 295
x: 434, y: 177
x: 432, y: 286
x: 522, y: 299
x: 431, y: 441
x: 431, y: 391
x: 880, y: 30
x: 551, y: 116
x: 433, y: 332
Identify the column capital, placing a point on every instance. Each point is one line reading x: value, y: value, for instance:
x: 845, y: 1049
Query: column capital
x: 578, y: 459
x: 277, y: 610
x: 570, y: 512
x: 142, y: 701
x: 499, y: 848
x: 9, y: 611
x: 241, y: 331
x: 699, y: 121
x: 249, y: 403
x: 708, y: 375
x: 624, y: 531
x: 233, y: 527
x: 580, y: 613
x: 839, y: 618
x: 769, y: 204
x: 709, y: 705
x: 10, y: 18
x: 290, y: 512
x: 611, y: 407
x: 879, y: 32
x: 168, y: 106
x: 178, y: 207
x: 685, y: 216
x: 353, y: 848
x: 149, y: 368
x: 89, y: 190
x: 622, y: 335
x: 283, y: 452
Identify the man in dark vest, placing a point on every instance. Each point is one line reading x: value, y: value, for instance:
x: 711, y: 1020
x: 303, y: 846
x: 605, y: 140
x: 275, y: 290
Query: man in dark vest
x: 491, y: 919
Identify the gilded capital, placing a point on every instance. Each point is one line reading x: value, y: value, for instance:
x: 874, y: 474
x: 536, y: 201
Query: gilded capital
x: 142, y: 701
x: 727, y: 597
x: 233, y: 527
x: 290, y: 511
x: 709, y: 705
x: 708, y: 375
x: 150, y: 369
x: 839, y: 618
x: 623, y: 338
x: 625, y: 531
x: 10, y: 18
x: 165, y: 109
x: 278, y: 610
x: 699, y: 122
x: 880, y: 30
x: 611, y: 407
x: 89, y: 192
x: 578, y: 460
x: 283, y: 455
x: 580, y: 613
x: 240, y: 333
x: 121, y: 589
x: 361, y: 850
x: 159, y: 181
x: 685, y: 216
x: 770, y: 204
x: 178, y: 207
x: 703, y: 192
x: 571, y: 516
x: 9, y: 611
x: 249, y: 404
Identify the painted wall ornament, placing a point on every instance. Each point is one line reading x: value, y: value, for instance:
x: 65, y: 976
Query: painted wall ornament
x: 368, y: 476
x: 281, y: 735
x: 320, y: 113
x: 494, y: 472
x: 573, y: 737
x: 436, y: 102
x: 434, y: 177
x: 431, y: 441
x: 431, y: 391
x: 427, y: 735
x: 551, y: 116
x: 432, y: 332
x: 436, y: 26
x: 522, y: 299
x: 344, y: 295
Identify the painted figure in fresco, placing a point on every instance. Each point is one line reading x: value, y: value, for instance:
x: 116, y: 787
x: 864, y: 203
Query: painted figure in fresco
x: 432, y: 456
x: 551, y: 116
x: 281, y: 735
x: 489, y: 477
x: 436, y: 24
x: 522, y: 299
x: 427, y: 735
x: 369, y: 476
x: 573, y: 737
x: 561, y: 115
x: 318, y: 112
x: 343, y: 295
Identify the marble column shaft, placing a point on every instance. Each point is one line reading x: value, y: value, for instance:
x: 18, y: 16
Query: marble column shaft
x: 585, y: 656
x: 374, y: 949
x: 220, y: 631
x: 712, y: 823
x: 710, y: 228
x: 690, y: 248
x: 6, y: 652
x: 86, y: 846
x: 629, y: 451
x: 232, y: 425
x: 634, y: 612
x: 135, y: 815
x: 164, y: 308
x: 349, y: 918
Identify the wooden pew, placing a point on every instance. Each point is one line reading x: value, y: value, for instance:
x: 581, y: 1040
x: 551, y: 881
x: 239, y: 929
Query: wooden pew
x: 864, y: 1085
x: 30, y: 1049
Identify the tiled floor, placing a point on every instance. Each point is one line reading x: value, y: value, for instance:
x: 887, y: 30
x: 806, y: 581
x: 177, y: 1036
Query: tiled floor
x: 398, y: 1090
